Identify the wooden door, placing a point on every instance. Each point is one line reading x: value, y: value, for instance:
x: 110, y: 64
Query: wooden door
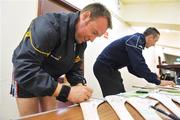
x: 49, y: 6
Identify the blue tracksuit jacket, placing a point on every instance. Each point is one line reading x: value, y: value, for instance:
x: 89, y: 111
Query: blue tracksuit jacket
x: 127, y: 51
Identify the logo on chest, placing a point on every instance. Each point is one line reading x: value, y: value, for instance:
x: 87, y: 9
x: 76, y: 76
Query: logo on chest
x: 77, y: 59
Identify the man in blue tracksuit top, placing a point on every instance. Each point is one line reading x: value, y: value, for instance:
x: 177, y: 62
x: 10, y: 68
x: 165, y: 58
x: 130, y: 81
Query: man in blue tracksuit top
x: 126, y: 51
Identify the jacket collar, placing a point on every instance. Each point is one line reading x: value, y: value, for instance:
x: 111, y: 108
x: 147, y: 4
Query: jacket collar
x: 142, y: 39
x: 72, y: 23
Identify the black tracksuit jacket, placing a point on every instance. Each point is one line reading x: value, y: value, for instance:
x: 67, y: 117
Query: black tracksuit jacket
x: 47, y: 51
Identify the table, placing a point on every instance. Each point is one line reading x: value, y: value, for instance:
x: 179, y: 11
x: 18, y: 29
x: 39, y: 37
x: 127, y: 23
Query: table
x: 172, y: 67
x: 75, y: 113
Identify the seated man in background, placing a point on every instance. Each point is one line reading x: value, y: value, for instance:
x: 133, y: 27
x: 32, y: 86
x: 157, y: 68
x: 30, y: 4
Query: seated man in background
x: 126, y: 51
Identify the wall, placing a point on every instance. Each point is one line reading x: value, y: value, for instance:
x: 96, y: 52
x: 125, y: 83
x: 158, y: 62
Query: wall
x: 15, y: 17
x: 169, y: 38
x: 168, y: 44
x: 158, y: 12
x: 0, y: 54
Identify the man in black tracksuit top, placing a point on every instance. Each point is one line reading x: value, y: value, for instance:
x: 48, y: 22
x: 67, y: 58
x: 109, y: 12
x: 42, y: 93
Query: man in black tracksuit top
x: 54, y: 45
x: 126, y: 51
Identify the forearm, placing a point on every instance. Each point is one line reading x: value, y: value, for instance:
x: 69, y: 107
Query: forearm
x: 74, y: 94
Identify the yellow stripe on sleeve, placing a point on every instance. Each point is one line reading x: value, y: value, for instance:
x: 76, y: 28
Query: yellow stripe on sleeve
x: 28, y: 34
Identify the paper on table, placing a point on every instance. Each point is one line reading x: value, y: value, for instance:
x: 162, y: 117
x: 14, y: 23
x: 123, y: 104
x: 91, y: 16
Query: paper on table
x: 118, y: 104
x: 177, y: 87
x: 170, y: 92
x: 133, y: 94
x: 143, y: 107
x: 89, y: 109
x: 166, y: 101
x: 176, y: 99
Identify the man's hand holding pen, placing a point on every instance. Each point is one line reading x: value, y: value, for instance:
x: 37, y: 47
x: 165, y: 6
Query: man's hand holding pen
x: 80, y: 93
x: 167, y: 83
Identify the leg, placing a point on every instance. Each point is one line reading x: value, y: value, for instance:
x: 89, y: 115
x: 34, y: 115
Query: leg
x: 48, y: 103
x: 27, y: 106
x: 109, y: 79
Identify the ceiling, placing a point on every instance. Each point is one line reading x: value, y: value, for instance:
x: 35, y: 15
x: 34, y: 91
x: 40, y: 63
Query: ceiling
x: 162, y: 14
x: 145, y: 1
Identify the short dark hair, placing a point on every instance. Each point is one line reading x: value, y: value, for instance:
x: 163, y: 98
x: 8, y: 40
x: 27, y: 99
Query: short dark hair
x: 98, y: 10
x: 151, y: 31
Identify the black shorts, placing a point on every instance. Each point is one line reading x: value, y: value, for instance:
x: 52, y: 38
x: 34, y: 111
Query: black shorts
x: 19, y: 92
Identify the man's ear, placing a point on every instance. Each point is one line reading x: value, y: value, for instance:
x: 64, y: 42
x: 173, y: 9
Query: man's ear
x: 150, y: 37
x: 86, y: 15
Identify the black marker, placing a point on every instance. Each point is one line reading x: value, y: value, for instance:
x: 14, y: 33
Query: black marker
x: 172, y: 116
x: 141, y: 91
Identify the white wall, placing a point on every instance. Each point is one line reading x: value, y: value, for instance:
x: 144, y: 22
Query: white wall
x: 80, y: 3
x: 16, y: 16
x: 170, y: 38
x: 162, y: 12
x: 0, y: 40
x: 0, y: 54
